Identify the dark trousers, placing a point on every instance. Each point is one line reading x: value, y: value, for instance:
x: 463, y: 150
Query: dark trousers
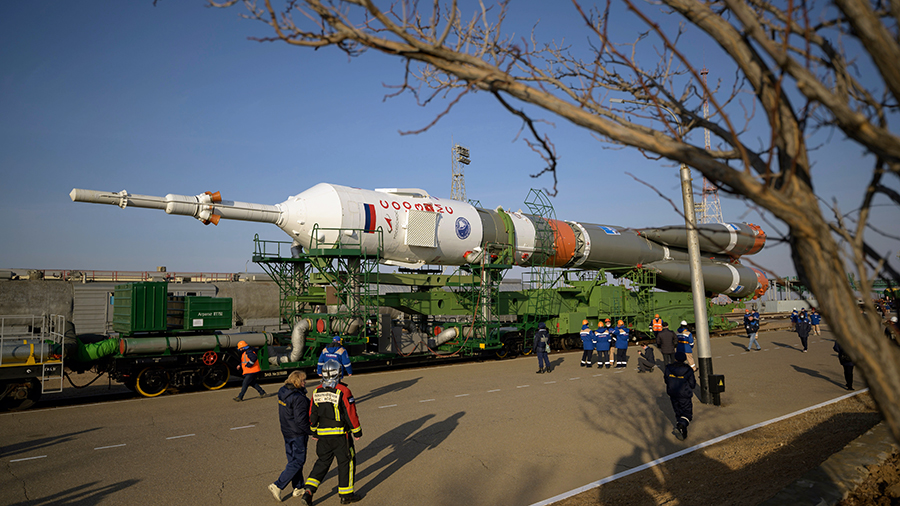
x: 621, y: 358
x: 586, y: 357
x: 603, y: 358
x: 645, y: 365
x: 543, y: 360
x: 668, y: 358
x: 327, y: 449
x: 848, y: 374
x: 250, y: 381
x: 684, y: 410
x: 295, y: 449
x: 803, y: 340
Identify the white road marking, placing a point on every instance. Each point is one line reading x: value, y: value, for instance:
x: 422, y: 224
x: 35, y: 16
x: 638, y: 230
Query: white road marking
x: 523, y: 386
x: 677, y: 454
x: 548, y: 382
x: 731, y: 355
x: 244, y: 427
x: 388, y: 406
x: 495, y: 390
x: 462, y: 395
x: 179, y: 437
x: 598, y: 375
x: 570, y: 379
x: 426, y: 400
x: 111, y: 446
x: 29, y: 458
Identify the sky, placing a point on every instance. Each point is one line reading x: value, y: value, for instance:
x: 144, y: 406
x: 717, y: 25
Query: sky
x: 174, y: 98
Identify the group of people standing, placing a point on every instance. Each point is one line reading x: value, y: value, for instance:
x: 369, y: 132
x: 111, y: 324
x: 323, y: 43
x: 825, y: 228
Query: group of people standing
x: 602, y: 340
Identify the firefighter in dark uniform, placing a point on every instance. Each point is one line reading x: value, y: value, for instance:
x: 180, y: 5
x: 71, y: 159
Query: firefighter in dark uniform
x: 333, y: 420
x: 680, y: 384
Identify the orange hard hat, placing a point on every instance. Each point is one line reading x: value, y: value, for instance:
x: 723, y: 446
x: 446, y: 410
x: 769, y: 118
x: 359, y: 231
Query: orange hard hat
x: 585, y: 322
x: 600, y: 324
x: 242, y: 344
x: 656, y: 315
x: 621, y: 322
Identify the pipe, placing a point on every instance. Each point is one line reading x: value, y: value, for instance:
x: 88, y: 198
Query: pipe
x: 298, y: 343
x: 144, y: 345
x: 446, y: 335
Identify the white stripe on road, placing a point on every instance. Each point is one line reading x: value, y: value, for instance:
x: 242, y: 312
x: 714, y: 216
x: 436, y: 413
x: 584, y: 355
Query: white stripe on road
x: 388, y: 406
x: 462, y: 395
x: 523, y: 386
x: 426, y: 400
x: 572, y: 379
x: 244, y: 427
x: 686, y: 451
x: 28, y: 458
x: 495, y: 390
x: 549, y: 382
x: 111, y: 446
x: 179, y: 437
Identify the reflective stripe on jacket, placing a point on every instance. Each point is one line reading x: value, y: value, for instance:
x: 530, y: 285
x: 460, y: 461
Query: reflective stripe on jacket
x: 249, y: 362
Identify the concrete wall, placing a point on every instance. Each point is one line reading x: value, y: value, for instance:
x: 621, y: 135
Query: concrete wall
x: 251, y: 300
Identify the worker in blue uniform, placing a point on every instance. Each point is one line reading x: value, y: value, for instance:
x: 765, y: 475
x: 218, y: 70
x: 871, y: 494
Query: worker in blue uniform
x: 680, y: 384
x: 587, y: 344
x: 685, y: 344
x: 335, y: 351
x: 601, y: 344
x: 620, y: 334
x: 542, y: 347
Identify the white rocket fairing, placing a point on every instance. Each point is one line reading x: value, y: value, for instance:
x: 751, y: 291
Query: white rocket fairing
x: 409, y: 226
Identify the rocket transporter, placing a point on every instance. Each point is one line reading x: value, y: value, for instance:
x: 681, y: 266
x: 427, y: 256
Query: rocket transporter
x: 407, y: 226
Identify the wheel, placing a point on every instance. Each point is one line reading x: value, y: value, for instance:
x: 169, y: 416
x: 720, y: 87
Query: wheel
x: 216, y: 377
x: 21, y: 396
x: 152, y: 381
x: 502, y: 352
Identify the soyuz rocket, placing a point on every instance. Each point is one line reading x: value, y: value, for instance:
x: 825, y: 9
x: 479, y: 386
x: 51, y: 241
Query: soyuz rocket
x: 417, y: 228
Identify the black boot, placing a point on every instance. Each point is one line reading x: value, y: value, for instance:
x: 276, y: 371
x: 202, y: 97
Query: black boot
x: 540, y: 371
x: 349, y: 498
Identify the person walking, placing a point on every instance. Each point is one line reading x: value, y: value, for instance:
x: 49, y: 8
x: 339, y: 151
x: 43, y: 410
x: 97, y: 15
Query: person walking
x: 814, y: 319
x: 335, y: 351
x: 542, y: 347
x: 621, y: 337
x: 587, y: 344
x: 752, y: 328
x: 335, y: 425
x: 666, y: 341
x: 250, y: 369
x: 803, y: 328
x: 685, y: 344
x: 601, y: 344
x: 646, y: 360
x: 680, y: 384
x: 293, y: 414
x: 846, y: 363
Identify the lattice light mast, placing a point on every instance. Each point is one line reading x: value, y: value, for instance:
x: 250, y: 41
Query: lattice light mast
x: 709, y: 211
x: 460, y: 157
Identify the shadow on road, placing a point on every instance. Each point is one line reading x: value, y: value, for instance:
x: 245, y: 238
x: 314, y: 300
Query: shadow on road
x: 82, y: 495
x: 387, y: 389
x: 37, y: 444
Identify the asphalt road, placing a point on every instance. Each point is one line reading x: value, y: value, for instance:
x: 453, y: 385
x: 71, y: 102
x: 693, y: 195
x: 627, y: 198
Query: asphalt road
x: 487, y: 433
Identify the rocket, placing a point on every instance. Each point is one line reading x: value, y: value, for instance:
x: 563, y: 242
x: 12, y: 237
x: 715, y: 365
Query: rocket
x: 408, y: 226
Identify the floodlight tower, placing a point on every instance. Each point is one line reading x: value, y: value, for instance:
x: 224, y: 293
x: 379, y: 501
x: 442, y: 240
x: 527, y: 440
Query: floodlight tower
x: 710, y: 211
x: 460, y: 158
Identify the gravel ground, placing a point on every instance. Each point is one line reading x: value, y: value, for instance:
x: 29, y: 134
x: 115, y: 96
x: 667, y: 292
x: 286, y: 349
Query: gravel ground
x: 752, y: 467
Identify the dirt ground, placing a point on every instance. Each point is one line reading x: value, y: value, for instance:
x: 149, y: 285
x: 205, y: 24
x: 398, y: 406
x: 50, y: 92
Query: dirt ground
x: 752, y: 467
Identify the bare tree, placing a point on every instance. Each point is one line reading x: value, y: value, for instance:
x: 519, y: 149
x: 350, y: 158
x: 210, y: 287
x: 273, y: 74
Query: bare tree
x: 794, y: 75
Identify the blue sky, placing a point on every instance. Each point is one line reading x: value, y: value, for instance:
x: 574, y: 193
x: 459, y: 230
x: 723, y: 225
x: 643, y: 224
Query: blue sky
x: 174, y: 98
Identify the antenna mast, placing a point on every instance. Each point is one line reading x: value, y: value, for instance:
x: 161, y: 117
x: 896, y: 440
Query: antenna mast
x: 460, y: 158
x: 710, y: 209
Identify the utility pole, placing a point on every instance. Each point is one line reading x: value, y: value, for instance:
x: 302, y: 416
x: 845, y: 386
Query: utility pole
x: 698, y: 291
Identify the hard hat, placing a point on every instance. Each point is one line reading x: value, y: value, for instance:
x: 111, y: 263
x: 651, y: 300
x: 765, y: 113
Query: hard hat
x: 600, y: 324
x: 336, y: 339
x: 331, y: 373
x: 747, y: 310
x: 584, y: 322
x: 656, y: 316
x: 621, y: 322
x: 683, y: 322
x: 242, y: 345
x: 606, y: 320
x: 894, y: 319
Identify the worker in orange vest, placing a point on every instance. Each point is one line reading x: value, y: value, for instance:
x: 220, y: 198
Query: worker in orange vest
x: 657, y: 325
x: 250, y: 369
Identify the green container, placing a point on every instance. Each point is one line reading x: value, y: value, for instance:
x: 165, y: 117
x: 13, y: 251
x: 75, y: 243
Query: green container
x: 140, y: 307
x: 207, y: 313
